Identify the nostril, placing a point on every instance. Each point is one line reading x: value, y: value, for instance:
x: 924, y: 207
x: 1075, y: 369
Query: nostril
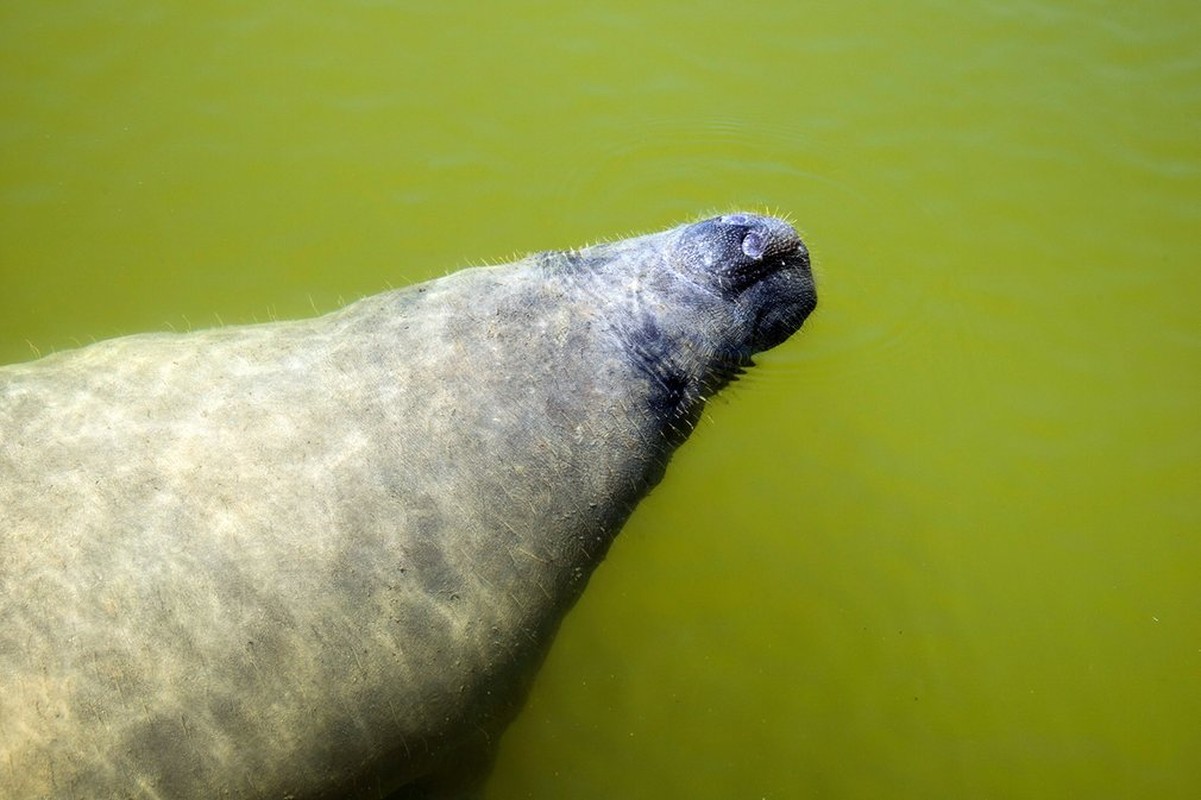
x: 736, y: 219
x: 753, y: 245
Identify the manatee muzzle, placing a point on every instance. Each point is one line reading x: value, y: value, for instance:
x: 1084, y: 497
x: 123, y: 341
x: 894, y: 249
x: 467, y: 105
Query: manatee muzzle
x: 761, y: 265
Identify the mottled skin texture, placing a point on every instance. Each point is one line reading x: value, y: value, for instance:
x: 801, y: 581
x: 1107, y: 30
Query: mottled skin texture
x: 323, y: 558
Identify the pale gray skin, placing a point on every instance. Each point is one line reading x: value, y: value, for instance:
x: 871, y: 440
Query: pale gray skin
x: 322, y: 559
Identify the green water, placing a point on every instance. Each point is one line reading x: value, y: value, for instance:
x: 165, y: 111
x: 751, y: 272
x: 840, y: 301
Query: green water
x: 945, y: 543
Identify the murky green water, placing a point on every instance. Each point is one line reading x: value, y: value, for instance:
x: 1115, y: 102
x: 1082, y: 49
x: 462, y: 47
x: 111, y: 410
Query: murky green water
x: 946, y: 543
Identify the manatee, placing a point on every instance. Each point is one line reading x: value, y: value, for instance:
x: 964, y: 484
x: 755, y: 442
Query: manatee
x: 324, y: 558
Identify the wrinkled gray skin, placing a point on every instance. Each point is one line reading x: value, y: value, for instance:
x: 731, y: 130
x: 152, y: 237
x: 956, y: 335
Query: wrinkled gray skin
x: 323, y: 558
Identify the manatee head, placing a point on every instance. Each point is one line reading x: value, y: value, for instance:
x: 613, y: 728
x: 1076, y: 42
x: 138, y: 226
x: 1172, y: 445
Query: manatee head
x: 759, y: 267
x: 693, y: 304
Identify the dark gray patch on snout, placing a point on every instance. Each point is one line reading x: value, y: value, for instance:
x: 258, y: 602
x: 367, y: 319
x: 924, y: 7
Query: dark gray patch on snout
x: 776, y: 318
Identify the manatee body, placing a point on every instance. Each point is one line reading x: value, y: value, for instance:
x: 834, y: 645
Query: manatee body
x: 323, y: 558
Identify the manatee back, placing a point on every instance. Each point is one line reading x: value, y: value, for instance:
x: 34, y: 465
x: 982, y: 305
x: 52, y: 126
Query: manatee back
x: 282, y: 557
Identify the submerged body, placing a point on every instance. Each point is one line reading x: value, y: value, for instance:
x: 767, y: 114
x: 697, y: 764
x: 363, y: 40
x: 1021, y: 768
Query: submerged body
x: 323, y: 558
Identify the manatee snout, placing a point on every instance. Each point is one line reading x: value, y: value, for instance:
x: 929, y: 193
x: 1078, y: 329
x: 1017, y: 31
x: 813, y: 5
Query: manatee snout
x: 761, y: 265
